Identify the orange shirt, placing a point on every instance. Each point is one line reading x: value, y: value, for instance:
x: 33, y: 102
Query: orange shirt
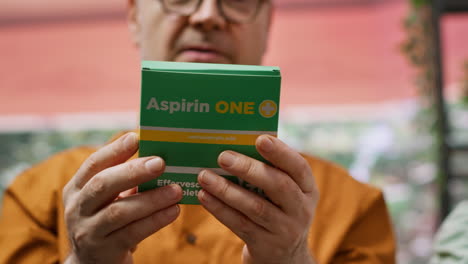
x: 351, y: 223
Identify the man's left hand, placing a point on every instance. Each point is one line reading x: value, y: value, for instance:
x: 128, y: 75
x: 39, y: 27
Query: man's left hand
x: 274, y: 231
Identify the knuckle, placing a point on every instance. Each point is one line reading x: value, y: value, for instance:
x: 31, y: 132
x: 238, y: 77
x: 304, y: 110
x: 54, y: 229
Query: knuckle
x: 69, y: 212
x: 313, y: 196
x: 65, y: 193
x: 249, y: 167
x: 114, y: 213
x: 132, y: 172
x: 291, y: 237
x: 304, y: 169
x: 279, y: 252
x: 294, y: 234
x: 79, y: 238
x: 245, y: 230
x: 96, y: 186
x: 285, y: 185
x: 114, y: 149
x: 307, y: 211
x: 224, y: 188
x: 246, y: 224
x: 91, y: 164
x: 217, y: 208
x: 303, y: 164
x: 284, y: 230
x: 259, y: 210
x: 308, y: 214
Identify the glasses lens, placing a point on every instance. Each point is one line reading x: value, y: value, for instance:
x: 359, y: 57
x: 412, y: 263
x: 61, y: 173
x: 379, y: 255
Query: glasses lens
x: 240, y: 10
x: 183, y: 7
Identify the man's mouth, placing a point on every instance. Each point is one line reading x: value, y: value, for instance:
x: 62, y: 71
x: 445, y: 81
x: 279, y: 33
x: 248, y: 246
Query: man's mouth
x: 201, y: 54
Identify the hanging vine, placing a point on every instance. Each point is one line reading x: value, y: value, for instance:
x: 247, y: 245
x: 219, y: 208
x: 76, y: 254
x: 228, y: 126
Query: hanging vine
x: 464, y: 85
x: 420, y: 49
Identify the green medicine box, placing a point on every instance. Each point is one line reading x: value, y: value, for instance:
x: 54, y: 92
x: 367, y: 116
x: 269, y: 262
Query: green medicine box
x: 191, y: 112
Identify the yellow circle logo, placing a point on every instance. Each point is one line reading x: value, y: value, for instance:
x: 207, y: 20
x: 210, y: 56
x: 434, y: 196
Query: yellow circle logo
x: 268, y: 108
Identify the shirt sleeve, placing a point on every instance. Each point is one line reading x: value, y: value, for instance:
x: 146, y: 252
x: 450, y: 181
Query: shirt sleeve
x: 370, y: 238
x: 451, y: 241
x: 23, y: 238
x: 32, y: 228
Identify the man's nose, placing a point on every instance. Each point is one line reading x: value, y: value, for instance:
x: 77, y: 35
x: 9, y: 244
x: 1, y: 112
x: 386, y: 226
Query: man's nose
x: 208, y: 16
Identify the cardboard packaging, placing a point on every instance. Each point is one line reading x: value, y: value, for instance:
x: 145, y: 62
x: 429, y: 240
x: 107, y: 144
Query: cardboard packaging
x: 191, y: 112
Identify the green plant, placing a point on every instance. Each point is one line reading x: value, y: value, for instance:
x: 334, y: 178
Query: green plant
x: 420, y: 50
x: 464, y: 87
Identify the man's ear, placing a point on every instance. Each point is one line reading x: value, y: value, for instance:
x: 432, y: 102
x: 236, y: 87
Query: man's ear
x: 133, y: 22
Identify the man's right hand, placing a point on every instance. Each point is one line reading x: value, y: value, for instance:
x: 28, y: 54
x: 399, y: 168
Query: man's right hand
x: 105, y: 217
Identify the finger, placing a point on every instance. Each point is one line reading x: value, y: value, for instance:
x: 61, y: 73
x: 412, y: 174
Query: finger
x: 238, y: 223
x: 132, y: 234
x: 127, y: 193
x: 124, y: 211
x: 288, y: 160
x: 110, y: 155
x: 277, y: 185
x: 256, y: 208
x: 104, y: 187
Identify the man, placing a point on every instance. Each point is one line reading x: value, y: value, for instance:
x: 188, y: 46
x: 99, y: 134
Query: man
x: 102, y: 220
x: 451, y: 240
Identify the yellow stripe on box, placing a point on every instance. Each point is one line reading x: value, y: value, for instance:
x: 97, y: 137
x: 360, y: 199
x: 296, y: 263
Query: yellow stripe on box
x: 197, y: 137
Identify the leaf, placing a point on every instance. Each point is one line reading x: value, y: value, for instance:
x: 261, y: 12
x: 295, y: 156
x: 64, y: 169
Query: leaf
x: 420, y: 3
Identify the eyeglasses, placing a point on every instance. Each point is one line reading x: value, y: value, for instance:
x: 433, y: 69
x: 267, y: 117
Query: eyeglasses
x: 235, y: 11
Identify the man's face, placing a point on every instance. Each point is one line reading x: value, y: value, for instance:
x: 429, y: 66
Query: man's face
x: 204, y: 36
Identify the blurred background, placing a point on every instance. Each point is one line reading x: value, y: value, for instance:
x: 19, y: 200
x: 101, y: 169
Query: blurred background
x: 362, y: 86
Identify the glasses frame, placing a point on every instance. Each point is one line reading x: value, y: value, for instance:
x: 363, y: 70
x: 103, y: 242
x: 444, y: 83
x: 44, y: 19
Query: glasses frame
x: 220, y: 9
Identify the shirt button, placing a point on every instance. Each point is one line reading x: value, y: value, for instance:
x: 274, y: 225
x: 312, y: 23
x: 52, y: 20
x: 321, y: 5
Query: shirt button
x: 191, y: 239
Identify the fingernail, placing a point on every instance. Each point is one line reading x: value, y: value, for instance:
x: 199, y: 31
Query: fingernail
x: 154, y: 165
x: 171, y: 191
x: 130, y: 140
x: 265, y: 143
x: 172, y: 211
x: 207, y: 177
x: 203, y: 196
x: 227, y: 159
